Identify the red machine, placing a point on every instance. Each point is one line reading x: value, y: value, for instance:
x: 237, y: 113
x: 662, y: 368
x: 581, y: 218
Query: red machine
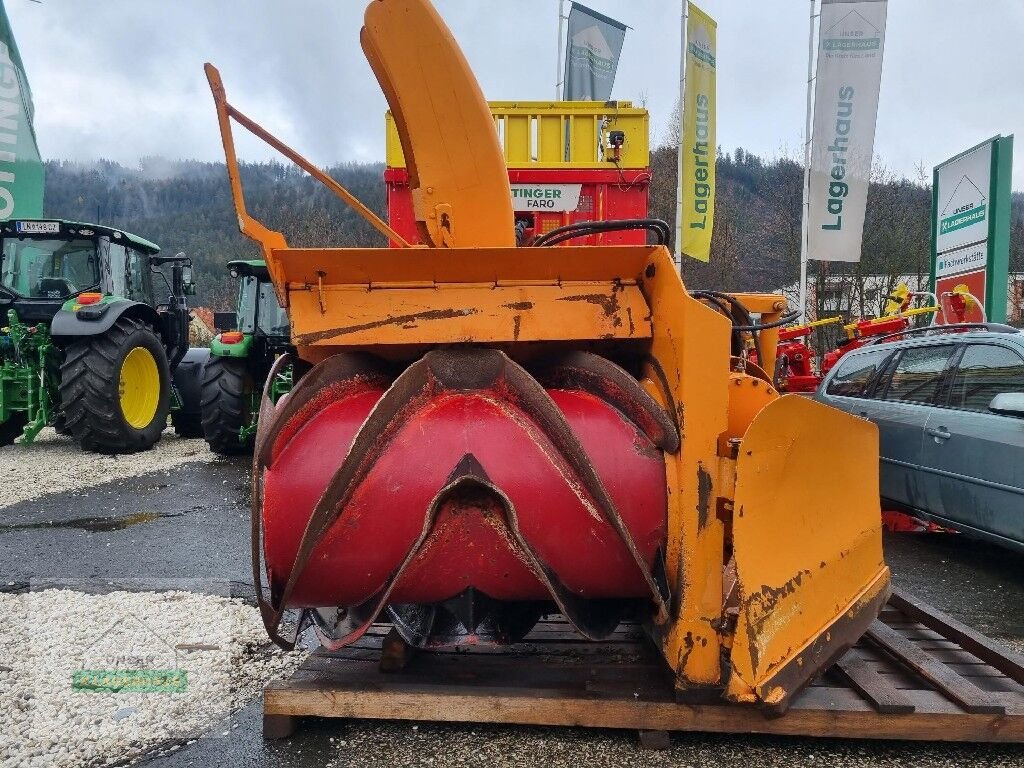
x: 797, y: 371
x: 568, y: 162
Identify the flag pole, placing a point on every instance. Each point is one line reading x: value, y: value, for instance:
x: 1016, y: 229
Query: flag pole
x: 805, y: 229
x: 679, y: 161
x: 559, y: 72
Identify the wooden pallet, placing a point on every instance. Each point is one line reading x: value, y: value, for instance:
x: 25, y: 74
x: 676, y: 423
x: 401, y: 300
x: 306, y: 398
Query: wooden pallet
x: 917, y: 674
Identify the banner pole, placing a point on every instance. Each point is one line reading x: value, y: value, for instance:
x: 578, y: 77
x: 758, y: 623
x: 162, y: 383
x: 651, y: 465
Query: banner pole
x: 559, y: 73
x: 805, y: 228
x: 679, y: 160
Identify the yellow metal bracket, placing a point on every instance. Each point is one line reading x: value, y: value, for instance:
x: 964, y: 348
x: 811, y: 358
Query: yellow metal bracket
x: 253, y: 228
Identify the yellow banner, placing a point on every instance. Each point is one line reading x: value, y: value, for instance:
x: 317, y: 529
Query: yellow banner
x: 698, y: 135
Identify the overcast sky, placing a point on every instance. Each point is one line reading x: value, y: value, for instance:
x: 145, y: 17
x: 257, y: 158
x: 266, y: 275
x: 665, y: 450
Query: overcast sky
x: 122, y: 79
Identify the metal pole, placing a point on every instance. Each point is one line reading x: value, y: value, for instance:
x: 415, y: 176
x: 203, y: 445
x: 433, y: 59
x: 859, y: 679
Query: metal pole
x: 679, y: 163
x: 559, y: 71
x: 805, y: 229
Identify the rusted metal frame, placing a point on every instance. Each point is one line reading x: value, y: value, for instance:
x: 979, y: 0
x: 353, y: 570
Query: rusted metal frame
x: 273, y: 419
x: 778, y: 692
x: 225, y: 111
x: 958, y: 689
x: 604, y: 379
x: 263, y: 425
x: 452, y: 370
x: 585, y: 615
x: 1005, y: 660
x: 690, y: 346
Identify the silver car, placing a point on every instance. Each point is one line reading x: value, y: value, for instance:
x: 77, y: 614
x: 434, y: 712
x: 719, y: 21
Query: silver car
x: 949, y: 406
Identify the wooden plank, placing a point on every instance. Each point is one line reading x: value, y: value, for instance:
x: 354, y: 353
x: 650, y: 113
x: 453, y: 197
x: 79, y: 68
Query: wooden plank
x: 555, y: 677
x: 1005, y: 660
x: 654, y: 739
x: 961, y: 691
x: 883, y: 696
x: 555, y: 708
x: 278, y: 726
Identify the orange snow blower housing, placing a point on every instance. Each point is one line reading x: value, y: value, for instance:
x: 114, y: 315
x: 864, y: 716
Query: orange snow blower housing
x: 480, y: 434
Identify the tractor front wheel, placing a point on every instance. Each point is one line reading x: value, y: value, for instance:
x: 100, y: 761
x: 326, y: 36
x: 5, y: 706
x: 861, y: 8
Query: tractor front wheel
x: 227, y: 404
x: 115, y: 389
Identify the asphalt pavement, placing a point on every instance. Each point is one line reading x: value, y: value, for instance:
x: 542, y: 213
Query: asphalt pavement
x: 191, y: 523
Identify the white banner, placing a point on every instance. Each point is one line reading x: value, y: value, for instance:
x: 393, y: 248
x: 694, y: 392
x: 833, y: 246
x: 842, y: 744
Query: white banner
x: 851, y: 39
x: 963, y: 186
x: 969, y: 259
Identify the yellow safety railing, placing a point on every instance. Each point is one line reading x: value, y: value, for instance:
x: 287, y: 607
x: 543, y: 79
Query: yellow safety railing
x: 565, y: 134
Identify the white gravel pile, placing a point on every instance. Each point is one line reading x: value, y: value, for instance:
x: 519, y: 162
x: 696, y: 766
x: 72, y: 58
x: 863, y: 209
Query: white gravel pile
x: 54, y: 463
x: 56, y: 643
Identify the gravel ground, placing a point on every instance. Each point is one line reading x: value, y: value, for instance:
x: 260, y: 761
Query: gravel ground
x: 54, y: 463
x: 131, y: 528
x: 57, y: 643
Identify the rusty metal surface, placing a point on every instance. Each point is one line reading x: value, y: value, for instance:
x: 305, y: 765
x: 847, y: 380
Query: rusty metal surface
x: 456, y: 313
x: 808, y: 548
x: 421, y: 387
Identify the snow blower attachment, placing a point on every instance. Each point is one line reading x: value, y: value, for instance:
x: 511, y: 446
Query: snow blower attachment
x: 481, y: 434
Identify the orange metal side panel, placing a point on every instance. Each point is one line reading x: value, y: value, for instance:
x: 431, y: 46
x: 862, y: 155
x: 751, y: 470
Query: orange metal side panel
x: 375, y: 266
x: 460, y: 314
x: 690, y: 345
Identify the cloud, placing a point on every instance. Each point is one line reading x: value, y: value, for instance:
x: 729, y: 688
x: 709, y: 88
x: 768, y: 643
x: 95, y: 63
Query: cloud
x: 125, y: 79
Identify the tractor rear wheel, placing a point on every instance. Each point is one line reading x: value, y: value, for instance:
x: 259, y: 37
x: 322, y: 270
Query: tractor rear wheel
x: 227, y: 404
x: 11, y: 429
x: 115, y: 389
x: 188, y: 425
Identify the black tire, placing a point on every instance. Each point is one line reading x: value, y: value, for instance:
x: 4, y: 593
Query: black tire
x: 188, y: 425
x: 226, y: 404
x: 59, y: 424
x: 90, y: 398
x: 188, y: 381
x: 11, y: 429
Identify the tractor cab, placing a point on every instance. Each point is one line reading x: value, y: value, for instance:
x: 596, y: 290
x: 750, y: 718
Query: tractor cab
x: 258, y: 311
x: 45, y: 263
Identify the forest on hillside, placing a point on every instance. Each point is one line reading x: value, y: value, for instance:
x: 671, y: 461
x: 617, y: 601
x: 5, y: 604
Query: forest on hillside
x: 186, y: 206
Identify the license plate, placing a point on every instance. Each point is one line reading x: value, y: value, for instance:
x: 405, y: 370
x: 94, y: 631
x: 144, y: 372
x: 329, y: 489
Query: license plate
x: 38, y: 227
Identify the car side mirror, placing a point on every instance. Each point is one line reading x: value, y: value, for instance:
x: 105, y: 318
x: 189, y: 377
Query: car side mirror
x: 1008, y: 404
x: 225, y: 321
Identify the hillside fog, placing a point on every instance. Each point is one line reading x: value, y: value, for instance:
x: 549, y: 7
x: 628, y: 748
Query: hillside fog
x: 186, y: 205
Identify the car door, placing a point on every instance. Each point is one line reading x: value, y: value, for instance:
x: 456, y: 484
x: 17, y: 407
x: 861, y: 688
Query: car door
x: 973, y: 459
x: 903, y: 401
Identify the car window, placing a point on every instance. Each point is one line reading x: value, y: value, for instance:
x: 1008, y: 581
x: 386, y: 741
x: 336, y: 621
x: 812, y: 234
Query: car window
x: 917, y: 374
x: 985, y: 371
x: 855, y: 373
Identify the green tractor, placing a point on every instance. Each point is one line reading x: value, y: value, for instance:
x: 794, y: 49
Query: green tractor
x: 240, y: 361
x: 84, y: 343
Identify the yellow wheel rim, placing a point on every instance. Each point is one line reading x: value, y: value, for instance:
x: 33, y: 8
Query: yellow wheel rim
x: 139, y: 387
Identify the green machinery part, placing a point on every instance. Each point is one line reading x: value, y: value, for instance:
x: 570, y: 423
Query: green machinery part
x: 280, y: 385
x: 28, y: 376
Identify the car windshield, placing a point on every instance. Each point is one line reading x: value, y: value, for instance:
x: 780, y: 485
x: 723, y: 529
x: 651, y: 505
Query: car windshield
x: 273, y: 320
x: 49, y: 269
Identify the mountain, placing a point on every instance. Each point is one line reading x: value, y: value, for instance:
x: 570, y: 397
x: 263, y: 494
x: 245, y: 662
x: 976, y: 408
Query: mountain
x: 186, y: 205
